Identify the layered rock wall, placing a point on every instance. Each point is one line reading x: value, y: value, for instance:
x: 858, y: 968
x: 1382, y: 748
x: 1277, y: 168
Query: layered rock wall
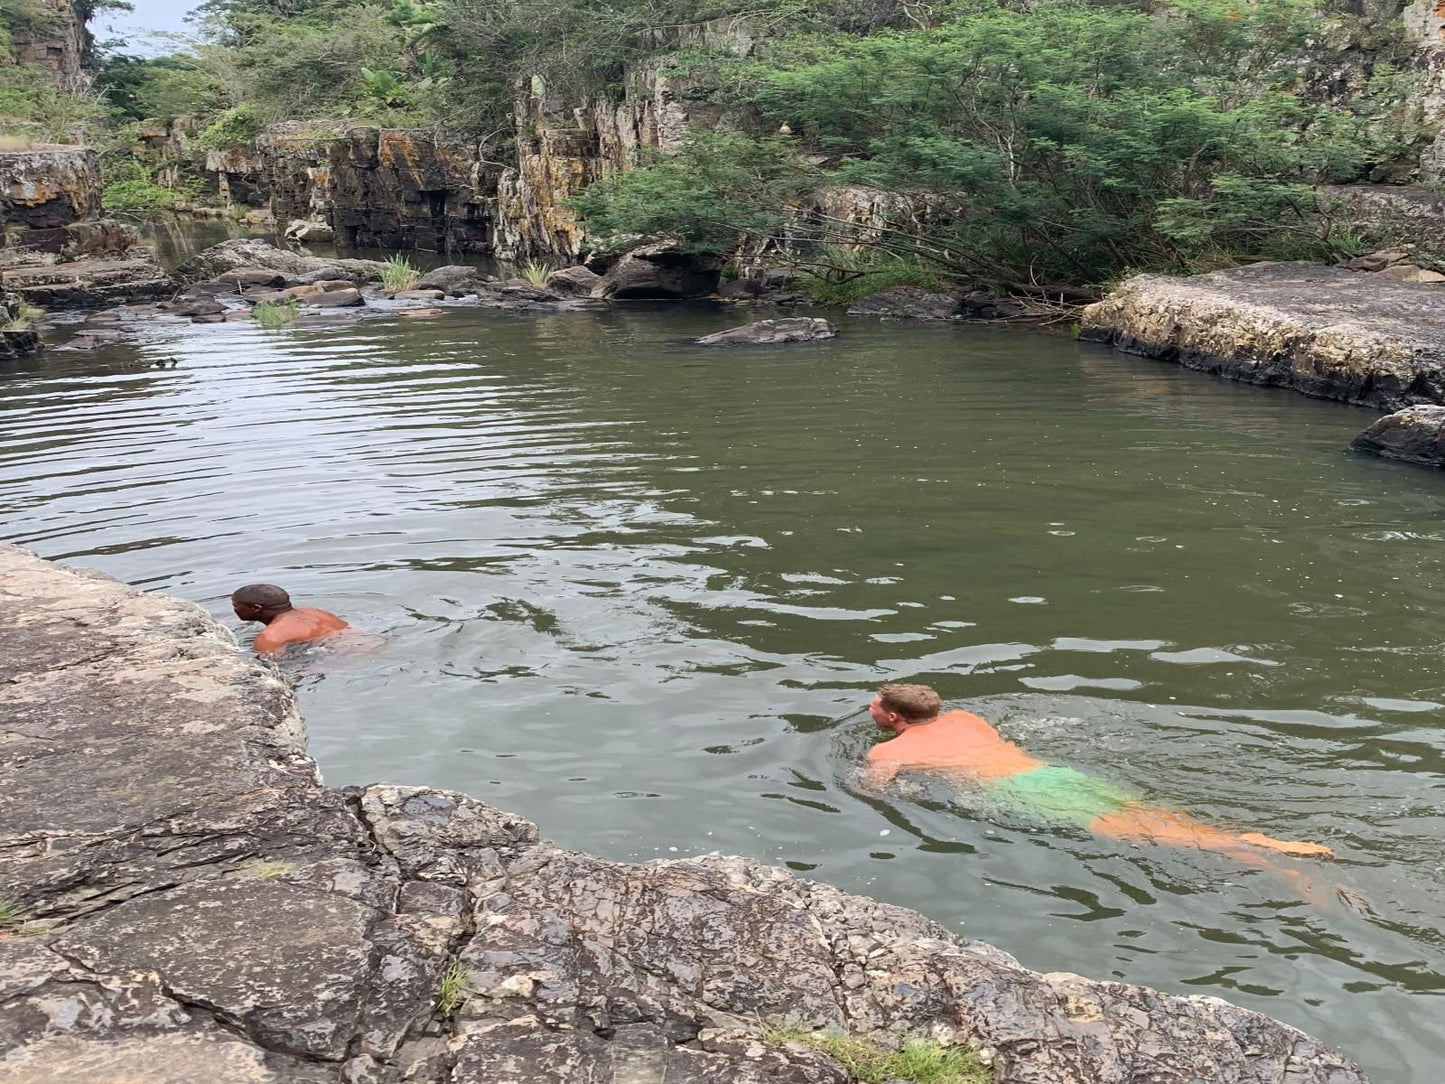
x: 51, y: 34
x: 192, y: 904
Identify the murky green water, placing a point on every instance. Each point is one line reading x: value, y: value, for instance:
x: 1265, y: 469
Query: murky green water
x: 626, y: 583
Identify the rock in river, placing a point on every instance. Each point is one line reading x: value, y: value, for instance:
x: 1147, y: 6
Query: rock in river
x: 796, y: 329
x: 908, y: 303
x: 1414, y: 435
x: 1324, y: 331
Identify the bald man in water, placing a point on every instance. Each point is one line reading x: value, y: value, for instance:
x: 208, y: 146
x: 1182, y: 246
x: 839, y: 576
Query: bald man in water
x: 285, y: 623
x: 962, y: 744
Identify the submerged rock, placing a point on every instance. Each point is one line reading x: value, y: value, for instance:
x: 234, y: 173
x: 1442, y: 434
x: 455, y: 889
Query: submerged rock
x: 1414, y: 435
x: 198, y: 906
x: 1324, y: 331
x: 908, y: 303
x: 661, y: 271
x: 796, y: 329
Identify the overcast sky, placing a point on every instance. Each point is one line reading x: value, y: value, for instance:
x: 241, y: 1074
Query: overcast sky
x: 133, y: 27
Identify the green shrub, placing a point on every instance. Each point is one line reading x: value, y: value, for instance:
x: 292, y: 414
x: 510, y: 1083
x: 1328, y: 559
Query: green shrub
x: 239, y: 125
x: 398, y: 274
x: 142, y: 198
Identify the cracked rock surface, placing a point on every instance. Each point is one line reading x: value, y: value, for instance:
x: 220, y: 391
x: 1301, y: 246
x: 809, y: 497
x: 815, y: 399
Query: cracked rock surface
x: 196, y: 906
x: 1323, y: 331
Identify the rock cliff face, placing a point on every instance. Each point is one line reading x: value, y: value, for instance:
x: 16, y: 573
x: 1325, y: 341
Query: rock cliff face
x: 52, y: 35
x: 48, y: 187
x: 195, y: 905
x: 1324, y: 331
x: 388, y: 188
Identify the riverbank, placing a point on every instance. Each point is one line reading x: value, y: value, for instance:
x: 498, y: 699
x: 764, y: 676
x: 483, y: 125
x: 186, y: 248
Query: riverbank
x: 1325, y: 331
x: 187, y: 898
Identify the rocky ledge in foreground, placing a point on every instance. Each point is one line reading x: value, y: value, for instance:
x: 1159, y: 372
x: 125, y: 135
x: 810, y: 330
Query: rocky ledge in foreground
x: 195, y: 905
x: 1324, y: 331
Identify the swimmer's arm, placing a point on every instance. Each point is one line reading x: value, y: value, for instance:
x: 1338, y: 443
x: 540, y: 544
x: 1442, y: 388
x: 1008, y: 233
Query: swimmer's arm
x: 877, y: 774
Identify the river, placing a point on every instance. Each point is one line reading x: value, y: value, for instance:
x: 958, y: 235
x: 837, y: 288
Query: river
x: 638, y: 590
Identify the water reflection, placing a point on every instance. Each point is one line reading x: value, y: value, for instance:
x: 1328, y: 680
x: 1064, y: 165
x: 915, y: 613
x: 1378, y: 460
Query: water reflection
x: 639, y: 592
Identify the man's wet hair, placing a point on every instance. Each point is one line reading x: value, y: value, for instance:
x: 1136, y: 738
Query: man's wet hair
x: 914, y: 702
x: 266, y: 595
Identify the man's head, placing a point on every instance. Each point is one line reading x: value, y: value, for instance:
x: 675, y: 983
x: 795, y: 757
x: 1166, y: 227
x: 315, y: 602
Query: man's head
x: 260, y: 602
x: 897, y: 707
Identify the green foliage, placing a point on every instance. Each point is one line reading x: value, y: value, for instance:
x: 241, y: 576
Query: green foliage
x: 138, y: 196
x: 1059, y: 145
x: 160, y: 88
x: 10, y: 919
x: 922, y: 1061
x: 275, y: 314
x: 536, y: 273
x: 452, y: 990
x: 235, y: 126
x: 398, y: 274
x: 832, y: 275
x: 719, y: 187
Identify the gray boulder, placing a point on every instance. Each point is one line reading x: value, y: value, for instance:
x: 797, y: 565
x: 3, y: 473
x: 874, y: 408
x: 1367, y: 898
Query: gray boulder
x: 335, y: 299
x: 661, y: 271
x: 454, y: 278
x: 908, y: 303
x: 796, y: 329
x: 309, y: 230
x: 573, y: 281
x: 253, y: 276
x: 1413, y: 435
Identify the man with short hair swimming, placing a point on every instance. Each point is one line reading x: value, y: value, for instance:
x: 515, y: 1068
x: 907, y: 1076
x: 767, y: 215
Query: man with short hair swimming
x: 963, y: 744
x: 285, y: 623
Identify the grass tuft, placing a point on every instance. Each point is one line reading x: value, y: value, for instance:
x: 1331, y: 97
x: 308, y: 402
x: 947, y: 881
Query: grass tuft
x: 274, y: 314
x: 23, y: 319
x: 922, y: 1061
x: 10, y: 919
x: 453, y: 989
x: 398, y: 274
x: 536, y: 273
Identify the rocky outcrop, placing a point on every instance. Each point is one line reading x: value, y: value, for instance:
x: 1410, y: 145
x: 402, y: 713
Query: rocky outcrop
x: 80, y: 284
x: 46, y: 187
x: 1413, y: 435
x: 252, y: 254
x: 793, y: 329
x: 660, y: 271
x: 374, y: 187
x: 1324, y: 331
x: 51, y: 34
x: 194, y: 905
x: 1406, y: 211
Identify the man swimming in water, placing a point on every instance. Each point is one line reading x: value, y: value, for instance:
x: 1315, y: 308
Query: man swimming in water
x: 285, y: 624
x: 962, y: 744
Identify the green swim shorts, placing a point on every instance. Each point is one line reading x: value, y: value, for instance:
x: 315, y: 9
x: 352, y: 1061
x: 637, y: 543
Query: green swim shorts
x: 1059, y: 794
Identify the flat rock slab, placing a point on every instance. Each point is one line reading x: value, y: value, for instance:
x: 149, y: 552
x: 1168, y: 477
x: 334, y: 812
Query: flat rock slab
x: 197, y: 906
x: 1324, y: 331
x: 90, y: 283
x: 795, y: 329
